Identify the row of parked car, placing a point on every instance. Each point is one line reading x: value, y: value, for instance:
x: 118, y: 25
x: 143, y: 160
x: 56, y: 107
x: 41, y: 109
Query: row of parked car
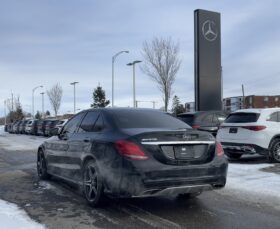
x: 35, y: 127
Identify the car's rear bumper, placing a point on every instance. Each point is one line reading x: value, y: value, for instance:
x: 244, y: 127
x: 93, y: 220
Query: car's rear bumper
x: 169, y: 179
x: 243, y: 148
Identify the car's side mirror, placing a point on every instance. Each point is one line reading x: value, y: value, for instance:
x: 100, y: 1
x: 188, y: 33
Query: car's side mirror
x: 54, y: 132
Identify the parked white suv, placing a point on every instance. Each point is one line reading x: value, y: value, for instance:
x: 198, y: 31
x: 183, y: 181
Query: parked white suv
x: 252, y: 131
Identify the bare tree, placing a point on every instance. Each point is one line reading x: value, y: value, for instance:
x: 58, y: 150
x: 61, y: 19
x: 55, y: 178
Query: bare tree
x: 161, y: 63
x: 55, y: 95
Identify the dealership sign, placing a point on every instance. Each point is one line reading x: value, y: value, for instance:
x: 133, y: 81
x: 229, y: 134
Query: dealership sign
x: 208, y: 82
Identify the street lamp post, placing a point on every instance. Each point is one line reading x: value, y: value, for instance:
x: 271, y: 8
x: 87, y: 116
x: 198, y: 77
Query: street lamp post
x: 113, y: 62
x: 33, y: 90
x: 43, y: 110
x: 74, y: 84
x: 133, y: 65
x: 5, y: 111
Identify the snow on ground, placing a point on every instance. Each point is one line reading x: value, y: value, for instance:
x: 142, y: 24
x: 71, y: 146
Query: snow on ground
x: 19, y: 142
x: 12, y: 217
x: 245, y: 179
x: 248, y: 182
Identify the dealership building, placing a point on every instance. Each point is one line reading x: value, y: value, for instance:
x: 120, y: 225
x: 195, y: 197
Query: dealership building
x: 231, y: 104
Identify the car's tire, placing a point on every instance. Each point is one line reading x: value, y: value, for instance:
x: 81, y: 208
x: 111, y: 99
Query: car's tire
x: 233, y: 155
x: 188, y: 195
x: 93, y: 188
x: 274, y: 151
x: 42, y: 166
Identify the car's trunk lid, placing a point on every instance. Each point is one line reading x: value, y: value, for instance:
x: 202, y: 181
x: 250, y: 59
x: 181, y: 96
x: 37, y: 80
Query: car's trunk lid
x: 176, y: 146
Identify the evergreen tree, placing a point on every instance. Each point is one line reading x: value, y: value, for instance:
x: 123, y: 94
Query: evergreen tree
x: 99, y: 98
x: 177, y: 107
x: 38, y: 115
x: 48, y: 113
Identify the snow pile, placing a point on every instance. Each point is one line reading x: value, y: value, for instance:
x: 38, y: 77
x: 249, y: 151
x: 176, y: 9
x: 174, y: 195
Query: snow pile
x: 2, y: 132
x: 259, y: 186
x: 12, y: 217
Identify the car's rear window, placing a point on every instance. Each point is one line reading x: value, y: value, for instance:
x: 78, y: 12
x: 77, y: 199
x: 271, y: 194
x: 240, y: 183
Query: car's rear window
x: 242, y: 117
x: 146, y: 119
x: 189, y: 119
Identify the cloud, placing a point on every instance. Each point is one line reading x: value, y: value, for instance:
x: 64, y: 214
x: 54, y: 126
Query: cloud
x: 44, y: 42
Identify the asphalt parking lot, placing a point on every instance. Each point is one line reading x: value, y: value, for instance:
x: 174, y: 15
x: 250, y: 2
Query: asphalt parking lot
x: 251, y: 198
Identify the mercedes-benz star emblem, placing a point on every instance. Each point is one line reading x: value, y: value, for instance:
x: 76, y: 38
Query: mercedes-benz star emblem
x: 209, y: 30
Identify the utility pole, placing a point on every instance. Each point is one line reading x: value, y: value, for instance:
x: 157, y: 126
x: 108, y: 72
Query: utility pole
x: 74, y: 84
x: 5, y: 112
x: 33, y: 90
x: 12, y: 102
x: 133, y: 65
x: 113, y: 73
x: 243, y: 97
x: 43, y: 110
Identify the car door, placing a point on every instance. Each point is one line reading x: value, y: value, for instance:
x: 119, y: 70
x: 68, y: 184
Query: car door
x: 80, y: 143
x: 56, y: 147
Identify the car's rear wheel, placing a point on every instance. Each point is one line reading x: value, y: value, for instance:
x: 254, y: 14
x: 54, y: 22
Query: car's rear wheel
x: 42, y: 166
x: 274, y: 152
x: 233, y: 155
x: 93, y: 184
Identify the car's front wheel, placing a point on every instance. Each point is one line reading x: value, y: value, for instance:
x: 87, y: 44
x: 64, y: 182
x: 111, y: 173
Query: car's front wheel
x: 233, y: 155
x: 274, y: 152
x: 93, y: 184
x: 42, y: 166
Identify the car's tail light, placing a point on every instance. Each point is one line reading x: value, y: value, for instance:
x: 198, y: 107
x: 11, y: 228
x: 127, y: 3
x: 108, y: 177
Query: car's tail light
x: 130, y: 150
x: 195, y: 126
x: 254, y: 128
x: 219, y: 149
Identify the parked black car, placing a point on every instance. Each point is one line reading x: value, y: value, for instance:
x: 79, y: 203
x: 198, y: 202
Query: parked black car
x: 132, y: 153
x: 22, y: 126
x: 31, y: 127
x: 204, y: 120
x: 17, y: 127
x: 40, y: 127
x: 48, y: 126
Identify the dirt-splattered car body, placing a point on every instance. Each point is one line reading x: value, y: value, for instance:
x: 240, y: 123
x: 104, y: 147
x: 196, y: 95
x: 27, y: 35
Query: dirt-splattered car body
x: 137, y: 152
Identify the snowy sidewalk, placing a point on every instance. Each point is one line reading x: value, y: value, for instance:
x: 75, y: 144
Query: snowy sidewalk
x: 12, y: 217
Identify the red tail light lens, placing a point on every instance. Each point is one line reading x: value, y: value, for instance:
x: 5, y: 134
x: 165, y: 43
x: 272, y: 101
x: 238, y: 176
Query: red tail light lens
x: 130, y: 150
x: 254, y: 128
x: 219, y: 149
x: 195, y: 126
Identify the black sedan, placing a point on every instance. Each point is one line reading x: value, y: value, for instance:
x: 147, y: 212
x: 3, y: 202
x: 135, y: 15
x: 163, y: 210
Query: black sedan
x: 121, y: 152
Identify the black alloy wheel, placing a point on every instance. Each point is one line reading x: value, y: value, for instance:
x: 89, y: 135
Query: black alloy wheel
x: 274, y: 153
x: 93, y: 184
x: 42, y: 167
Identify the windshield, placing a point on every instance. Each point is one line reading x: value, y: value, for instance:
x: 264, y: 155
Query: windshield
x: 146, y: 119
x: 242, y: 117
x: 187, y: 118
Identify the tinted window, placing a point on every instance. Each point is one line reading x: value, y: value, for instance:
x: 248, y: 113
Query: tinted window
x: 146, y: 119
x: 72, y: 125
x: 208, y: 118
x: 189, y: 119
x: 242, y: 117
x: 89, y: 121
x: 274, y: 117
x: 99, y: 124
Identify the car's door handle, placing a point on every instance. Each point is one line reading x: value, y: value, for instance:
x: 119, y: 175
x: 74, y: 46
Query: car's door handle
x: 87, y: 140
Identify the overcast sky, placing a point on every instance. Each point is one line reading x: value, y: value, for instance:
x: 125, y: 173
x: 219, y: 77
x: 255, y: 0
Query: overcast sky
x: 43, y: 42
